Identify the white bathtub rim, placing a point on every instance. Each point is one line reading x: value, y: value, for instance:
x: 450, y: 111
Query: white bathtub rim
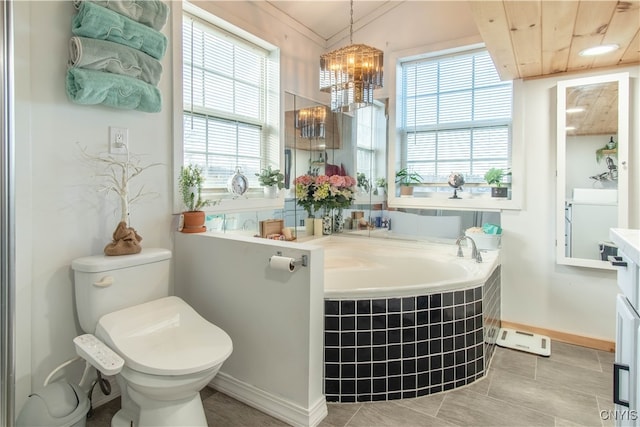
x: 477, y: 273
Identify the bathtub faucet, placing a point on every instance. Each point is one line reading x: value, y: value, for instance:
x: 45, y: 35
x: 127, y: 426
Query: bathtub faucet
x: 475, y: 253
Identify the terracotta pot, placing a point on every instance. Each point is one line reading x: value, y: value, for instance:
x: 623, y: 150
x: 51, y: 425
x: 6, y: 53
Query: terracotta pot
x: 193, y: 222
x: 406, y: 191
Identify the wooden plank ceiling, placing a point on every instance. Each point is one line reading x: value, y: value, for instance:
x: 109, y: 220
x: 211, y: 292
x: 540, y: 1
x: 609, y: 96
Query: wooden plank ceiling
x: 595, y: 109
x: 540, y: 37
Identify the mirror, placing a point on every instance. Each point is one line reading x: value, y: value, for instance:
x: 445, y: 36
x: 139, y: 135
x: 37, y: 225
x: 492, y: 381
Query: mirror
x: 592, y: 168
x: 321, y: 142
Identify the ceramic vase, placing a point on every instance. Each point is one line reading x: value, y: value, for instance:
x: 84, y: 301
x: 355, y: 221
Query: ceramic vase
x: 271, y: 191
x: 308, y: 226
x: 327, y: 224
x: 338, y: 222
x: 317, y: 226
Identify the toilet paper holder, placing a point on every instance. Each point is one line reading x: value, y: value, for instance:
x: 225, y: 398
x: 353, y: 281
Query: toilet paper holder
x: 303, y: 260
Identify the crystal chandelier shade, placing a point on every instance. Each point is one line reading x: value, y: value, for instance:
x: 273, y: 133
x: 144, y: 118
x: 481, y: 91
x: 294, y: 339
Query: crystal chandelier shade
x: 351, y: 74
x: 311, y: 122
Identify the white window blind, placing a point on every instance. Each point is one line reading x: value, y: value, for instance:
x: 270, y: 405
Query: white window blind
x: 456, y: 117
x: 225, y: 85
x: 371, y: 141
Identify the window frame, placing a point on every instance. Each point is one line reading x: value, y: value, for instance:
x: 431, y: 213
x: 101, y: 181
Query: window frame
x: 440, y: 200
x: 254, y: 199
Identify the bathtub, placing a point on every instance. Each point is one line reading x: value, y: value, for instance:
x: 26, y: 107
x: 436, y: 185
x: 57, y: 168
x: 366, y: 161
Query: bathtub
x: 405, y: 318
x: 358, y: 267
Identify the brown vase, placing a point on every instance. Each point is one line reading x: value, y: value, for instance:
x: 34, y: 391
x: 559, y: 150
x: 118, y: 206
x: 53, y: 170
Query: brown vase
x: 193, y: 222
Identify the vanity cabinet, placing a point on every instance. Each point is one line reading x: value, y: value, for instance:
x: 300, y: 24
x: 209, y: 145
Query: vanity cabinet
x: 626, y: 372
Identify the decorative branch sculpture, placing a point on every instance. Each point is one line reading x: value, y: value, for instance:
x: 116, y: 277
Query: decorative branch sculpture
x: 118, y: 173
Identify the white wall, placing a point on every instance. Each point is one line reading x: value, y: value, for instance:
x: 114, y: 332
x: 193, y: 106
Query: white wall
x: 274, y: 318
x: 582, y: 152
x: 535, y: 290
x: 61, y: 216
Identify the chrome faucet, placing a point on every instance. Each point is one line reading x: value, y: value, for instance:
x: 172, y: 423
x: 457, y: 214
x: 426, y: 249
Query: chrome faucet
x: 475, y: 253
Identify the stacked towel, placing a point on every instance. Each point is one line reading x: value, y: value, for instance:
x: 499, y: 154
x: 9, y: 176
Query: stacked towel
x: 152, y: 13
x: 98, y: 22
x: 96, y: 87
x: 101, y: 55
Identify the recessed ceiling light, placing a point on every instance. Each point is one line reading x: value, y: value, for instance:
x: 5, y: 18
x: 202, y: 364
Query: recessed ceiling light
x: 570, y: 128
x: 599, y: 50
x: 574, y: 110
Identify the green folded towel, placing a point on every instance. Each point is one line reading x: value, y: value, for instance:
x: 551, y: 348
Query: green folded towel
x: 152, y: 13
x: 91, y: 87
x: 102, y: 55
x: 100, y: 23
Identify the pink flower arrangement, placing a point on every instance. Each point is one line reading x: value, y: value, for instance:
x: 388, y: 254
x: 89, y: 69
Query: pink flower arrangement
x: 322, y: 191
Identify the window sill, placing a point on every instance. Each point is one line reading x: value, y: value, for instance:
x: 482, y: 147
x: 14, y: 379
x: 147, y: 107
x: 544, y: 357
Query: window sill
x: 442, y: 201
x: 243, y: 204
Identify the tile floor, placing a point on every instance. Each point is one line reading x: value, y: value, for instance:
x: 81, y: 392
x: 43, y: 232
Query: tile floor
x: 569, y: 388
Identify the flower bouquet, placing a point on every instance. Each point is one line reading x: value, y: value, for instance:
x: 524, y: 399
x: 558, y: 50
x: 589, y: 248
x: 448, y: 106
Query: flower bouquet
x: 322, y: 192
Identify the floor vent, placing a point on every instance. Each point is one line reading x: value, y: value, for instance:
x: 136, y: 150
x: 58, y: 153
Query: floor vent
x: 524, y: 341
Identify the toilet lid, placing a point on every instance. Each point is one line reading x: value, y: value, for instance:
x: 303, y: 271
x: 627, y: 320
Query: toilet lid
x: 164, y: 337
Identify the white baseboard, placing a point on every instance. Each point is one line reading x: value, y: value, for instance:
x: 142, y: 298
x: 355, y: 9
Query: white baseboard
x: 275, y: 406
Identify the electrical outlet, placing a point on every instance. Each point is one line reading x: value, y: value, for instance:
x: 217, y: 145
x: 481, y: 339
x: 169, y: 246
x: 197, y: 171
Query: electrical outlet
x: 118, y: 140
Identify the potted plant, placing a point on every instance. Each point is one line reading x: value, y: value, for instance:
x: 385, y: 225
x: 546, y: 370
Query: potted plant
x: 405, y: 178
x: 494, y: 178
x: 609, y: 148
x: 272, y: 180
x: 190, y: 184
x: 381, y: 186
x: 363, y: 183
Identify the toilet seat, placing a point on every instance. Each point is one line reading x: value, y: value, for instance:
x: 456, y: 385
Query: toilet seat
x: 164, y: 337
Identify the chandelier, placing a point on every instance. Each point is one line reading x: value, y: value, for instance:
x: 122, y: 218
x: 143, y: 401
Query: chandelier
x: 311, y: 122
x: 351, y: 74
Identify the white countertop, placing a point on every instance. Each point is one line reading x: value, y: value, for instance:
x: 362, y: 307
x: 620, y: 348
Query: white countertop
x: 628, y: 241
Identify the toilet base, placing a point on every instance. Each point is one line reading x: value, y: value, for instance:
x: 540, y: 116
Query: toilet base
x: 187, y: 412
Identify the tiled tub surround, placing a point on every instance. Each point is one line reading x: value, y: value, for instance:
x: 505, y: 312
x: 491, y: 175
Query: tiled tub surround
x: 412, y: 345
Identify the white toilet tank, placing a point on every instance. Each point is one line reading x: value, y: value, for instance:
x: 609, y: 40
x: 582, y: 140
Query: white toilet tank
x: 105, y: 284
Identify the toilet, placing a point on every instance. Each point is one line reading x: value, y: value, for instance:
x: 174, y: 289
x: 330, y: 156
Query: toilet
x: 170, y: 352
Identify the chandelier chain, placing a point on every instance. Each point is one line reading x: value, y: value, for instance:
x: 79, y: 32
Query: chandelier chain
x: 351, y: 25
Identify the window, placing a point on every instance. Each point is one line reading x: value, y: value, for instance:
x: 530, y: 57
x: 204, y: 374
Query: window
x: 456, y: 117
x: 230, y: 103
x: 371, y: 141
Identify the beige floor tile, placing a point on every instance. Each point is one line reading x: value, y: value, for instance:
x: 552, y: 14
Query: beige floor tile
x: 339, y: 414
x: 575, y: 355
x: 606, y: 359
x: 574, y: 377
x: 102, y: 415
x: 515, y: 362
x: 428, y: 405
x: 222, y: 410
x: 467, y: 408
x: 605, y: 407
x: 382, y: 414
x: 546, y: 398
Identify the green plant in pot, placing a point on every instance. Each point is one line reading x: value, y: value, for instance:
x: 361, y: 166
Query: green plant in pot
x: 190, y: 186
x: 363, y: 182
x: 405, y: 178
x: 272, y: 180
x: 381, y: 186
x: 609, y: 148
x: 494, y: 178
